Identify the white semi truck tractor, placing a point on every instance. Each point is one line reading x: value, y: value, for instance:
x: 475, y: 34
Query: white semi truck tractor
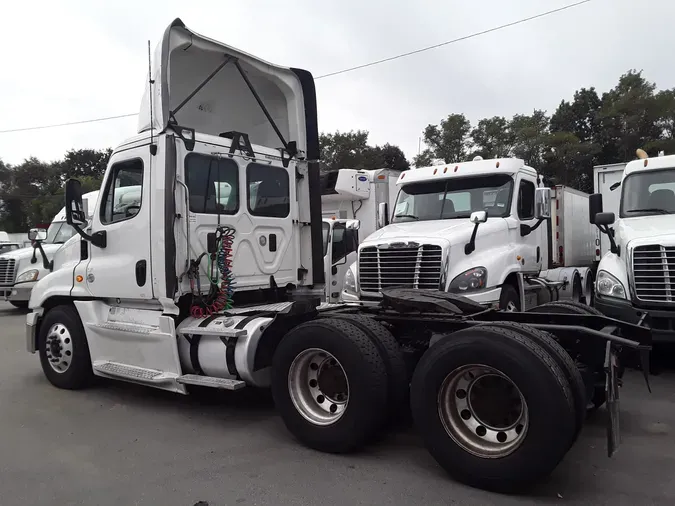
x: 478, y: 229
x: 182, y: 287
x: 637, y: 223
x: 21, y: 268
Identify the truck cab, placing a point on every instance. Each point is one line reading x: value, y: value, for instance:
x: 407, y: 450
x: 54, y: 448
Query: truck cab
x: 470, y: 228
x: 21, y: 268
x: 633, y: 280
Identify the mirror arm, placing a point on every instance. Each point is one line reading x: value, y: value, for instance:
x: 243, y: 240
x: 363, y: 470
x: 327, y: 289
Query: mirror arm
x: 98, y: 239
x: 45, y: 262
x: 33, y: 260
x: 612, y: 243
x: 527, y: 230
x: 471, y: 245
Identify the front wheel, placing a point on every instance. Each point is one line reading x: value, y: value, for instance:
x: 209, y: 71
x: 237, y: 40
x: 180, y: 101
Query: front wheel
x: 329, y: 384
x: 509, y: 299
x: 63, y: 349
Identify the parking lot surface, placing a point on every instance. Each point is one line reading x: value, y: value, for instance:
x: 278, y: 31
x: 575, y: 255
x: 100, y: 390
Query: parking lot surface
x: 119, y: 444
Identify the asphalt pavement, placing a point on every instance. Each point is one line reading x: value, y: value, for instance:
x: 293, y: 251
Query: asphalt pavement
x: 120, y: 444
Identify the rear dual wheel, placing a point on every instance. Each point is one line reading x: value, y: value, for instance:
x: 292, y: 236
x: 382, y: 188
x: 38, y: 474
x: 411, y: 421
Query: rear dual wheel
x: 493, y: 407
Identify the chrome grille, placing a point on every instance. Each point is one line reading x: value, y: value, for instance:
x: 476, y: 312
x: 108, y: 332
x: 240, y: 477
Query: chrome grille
x: 654, y: 273
x: 410, y: 267
x: 7, y: 271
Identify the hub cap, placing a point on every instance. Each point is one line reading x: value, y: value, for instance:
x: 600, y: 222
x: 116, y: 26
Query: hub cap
x: 318, y: 386
x: 483, y: 411
x: 59, y: 348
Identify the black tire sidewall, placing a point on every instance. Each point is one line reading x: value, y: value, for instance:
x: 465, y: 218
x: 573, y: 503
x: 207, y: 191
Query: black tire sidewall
x: 509, y: 294
x: 366, y: 376
x: 551, y: 421
x: 79, y: 374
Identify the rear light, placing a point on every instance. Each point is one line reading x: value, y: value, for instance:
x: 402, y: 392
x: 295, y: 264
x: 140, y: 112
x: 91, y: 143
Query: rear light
x: 557, y: 221
x: 597, y: 252
x: 561, y: 256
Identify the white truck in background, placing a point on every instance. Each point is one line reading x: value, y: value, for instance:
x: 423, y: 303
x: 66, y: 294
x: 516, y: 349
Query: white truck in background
x: 7, y: 244
x: 633, y: 208
x: 474, y: 228
x: 350, y: 208
x: 21, y: 267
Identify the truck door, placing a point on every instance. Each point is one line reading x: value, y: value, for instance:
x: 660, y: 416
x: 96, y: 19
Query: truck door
x: 341, y: 254
x: 253, y: 198
x: 123, y: 269
x: 530, y: 250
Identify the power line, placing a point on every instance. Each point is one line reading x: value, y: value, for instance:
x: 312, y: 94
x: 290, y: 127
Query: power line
x: 343, y: 71
x: 459, y: 39
x: 68, y: 124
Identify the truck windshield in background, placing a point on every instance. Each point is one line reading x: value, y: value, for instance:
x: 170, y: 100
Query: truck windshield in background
x: 454, y: 198
x: 648, y: 193
x: 58, y: 233
x: 6, y: 248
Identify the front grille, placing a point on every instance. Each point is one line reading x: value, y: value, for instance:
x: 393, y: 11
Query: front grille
x: 654, y: 273
x: 7, y: 271
x: 409, y: 267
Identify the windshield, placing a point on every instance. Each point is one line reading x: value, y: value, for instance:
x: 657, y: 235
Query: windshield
x: 325, y: 228
x: 648, y: 193
x: 454, y: 198
x: 59, y: 232
x: 4, y: 248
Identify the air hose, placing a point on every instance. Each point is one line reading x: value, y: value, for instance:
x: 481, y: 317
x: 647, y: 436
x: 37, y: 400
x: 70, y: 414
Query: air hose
x: 220, y: 297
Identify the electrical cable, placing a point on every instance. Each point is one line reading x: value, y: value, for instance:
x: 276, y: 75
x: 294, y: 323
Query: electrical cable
x: 343, y: 71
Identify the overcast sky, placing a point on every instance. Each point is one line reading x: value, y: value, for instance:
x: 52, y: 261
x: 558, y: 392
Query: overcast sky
x: 74, y: 60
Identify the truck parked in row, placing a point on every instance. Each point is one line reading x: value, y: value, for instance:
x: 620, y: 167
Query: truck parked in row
x: 633, y: 208
x: 348, y: 195
x: 176, y: 289
x: 20, y: 268
x: 472, y: 228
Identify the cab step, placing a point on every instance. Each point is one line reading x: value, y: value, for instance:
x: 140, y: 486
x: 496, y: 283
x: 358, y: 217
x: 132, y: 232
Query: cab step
x: 132, y: 373
x: 211, y: 382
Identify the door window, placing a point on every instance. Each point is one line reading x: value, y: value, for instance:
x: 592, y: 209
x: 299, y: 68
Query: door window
x: 268, y: 190
x: 344, y: 241
x: 213, y: 183
x: 123, y: 194
x: 526, y: 200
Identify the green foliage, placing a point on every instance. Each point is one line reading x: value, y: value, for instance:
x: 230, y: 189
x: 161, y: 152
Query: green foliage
x: 350, y: 150
x: 31, y: 193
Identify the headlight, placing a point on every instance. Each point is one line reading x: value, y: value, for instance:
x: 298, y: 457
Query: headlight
x: 469, y: 281
x: 350, y: 282
x: 27, y: 276
x: 609, y: 286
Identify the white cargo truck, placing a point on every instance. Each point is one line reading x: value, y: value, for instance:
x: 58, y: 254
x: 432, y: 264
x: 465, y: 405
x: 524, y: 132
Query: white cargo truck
x: 475, y: 229
x: 20, y: 268
x: 180, y: 289
x: 349, y: 195
x: 634, y: 210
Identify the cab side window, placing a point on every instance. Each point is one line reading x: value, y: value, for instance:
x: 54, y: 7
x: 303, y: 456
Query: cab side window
x: 268, y: 191
x: 344, y: 241
x: 526, y: 200
x: 123, y: 193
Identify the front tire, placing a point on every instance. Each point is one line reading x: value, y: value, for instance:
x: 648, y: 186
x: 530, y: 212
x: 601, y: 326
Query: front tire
x: 482, y: 436
x: 63, y: 349
x: 509, y: 299
x: 329, y: 384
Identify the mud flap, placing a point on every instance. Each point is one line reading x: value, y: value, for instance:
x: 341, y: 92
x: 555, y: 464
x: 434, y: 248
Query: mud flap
x: 612, y: 390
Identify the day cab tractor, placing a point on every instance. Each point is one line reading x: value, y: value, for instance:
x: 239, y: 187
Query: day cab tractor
x: 180, y: 288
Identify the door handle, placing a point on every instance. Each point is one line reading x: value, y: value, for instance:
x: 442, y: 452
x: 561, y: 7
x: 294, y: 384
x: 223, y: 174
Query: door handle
x: 141, y: 272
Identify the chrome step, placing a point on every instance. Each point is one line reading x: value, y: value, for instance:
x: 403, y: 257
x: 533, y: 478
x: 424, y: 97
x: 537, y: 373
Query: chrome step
x: 130, y: 372
x: 211, y: 382
x: 133, y: 328
x: 211, y: 331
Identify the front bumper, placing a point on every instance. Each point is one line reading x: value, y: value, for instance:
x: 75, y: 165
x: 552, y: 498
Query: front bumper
x: 32, y: 320
x: 662, y: 323
x: 18, y: 293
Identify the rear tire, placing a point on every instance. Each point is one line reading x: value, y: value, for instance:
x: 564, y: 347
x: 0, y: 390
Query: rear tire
x: 597, y: 396
x: 545, y: 395
x: 548, y: 341
x: 328, y: 346
x: 63, y: 349
x: 398, y: 384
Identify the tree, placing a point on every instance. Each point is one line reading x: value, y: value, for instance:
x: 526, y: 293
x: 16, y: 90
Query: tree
x: 350, y: 150
x: 448, y: 141
x: 530, y: 135
x: 85, y: 162
x: 493, y: 138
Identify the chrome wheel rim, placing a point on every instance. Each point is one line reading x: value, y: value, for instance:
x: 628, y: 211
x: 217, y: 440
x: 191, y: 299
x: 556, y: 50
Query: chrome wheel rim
x: 483, y: 411
x: 511, y: 307
x: 59, y: 348
x: 318, y: 387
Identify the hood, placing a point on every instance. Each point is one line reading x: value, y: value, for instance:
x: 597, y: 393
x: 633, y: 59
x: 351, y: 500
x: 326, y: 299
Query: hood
x: 453, y: 231
x: 657, y: 227
x: 23, y: 253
